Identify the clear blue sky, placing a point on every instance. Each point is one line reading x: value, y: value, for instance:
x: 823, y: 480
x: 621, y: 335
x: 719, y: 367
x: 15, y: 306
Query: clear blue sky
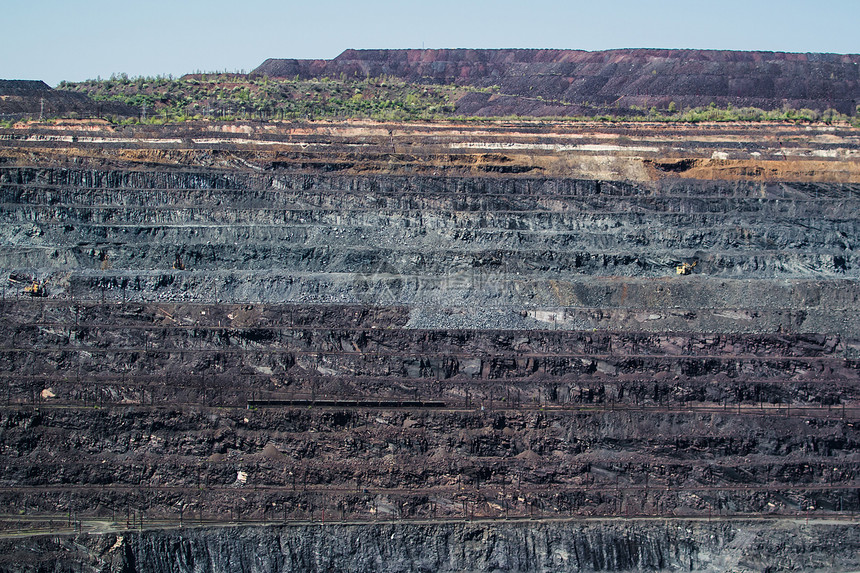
x: 57, y: 40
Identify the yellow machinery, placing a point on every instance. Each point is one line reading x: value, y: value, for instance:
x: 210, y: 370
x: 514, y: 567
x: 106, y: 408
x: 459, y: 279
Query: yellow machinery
x: 178, y: 265
x: 685, y: 268
x: 34, y: 288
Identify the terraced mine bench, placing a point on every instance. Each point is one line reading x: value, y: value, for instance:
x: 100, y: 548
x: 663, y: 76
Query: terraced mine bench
x: 423, y: 336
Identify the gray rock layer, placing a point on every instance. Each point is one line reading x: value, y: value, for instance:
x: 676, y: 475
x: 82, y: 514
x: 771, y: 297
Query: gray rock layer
x: 513, y: 546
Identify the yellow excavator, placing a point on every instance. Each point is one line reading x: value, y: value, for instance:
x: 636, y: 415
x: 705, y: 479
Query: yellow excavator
x: 34, y: 288
x: 685, y: 268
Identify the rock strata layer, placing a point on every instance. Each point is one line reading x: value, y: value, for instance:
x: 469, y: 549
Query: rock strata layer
x: 463, y: 348
x: 397, y: 547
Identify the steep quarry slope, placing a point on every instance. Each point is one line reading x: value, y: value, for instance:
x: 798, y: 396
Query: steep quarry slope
x: 563, y: 82
x: 394, y: 328
x: 588, y: 545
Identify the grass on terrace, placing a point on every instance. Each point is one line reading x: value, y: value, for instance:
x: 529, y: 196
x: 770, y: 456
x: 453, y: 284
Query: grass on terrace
x: 225, y: 96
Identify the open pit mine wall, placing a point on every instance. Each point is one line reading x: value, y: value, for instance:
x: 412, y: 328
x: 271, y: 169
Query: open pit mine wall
x: 506, y: 340
x: 453, y: 547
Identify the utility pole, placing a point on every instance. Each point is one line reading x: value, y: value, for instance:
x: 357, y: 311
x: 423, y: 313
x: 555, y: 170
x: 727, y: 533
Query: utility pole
x: 41, y: 109
x: 143, y: 113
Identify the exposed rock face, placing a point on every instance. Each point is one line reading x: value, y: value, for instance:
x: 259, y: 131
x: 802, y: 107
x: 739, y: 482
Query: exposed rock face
x: 620, y: 78
x: 397, y: 547
x: 426, y: 325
